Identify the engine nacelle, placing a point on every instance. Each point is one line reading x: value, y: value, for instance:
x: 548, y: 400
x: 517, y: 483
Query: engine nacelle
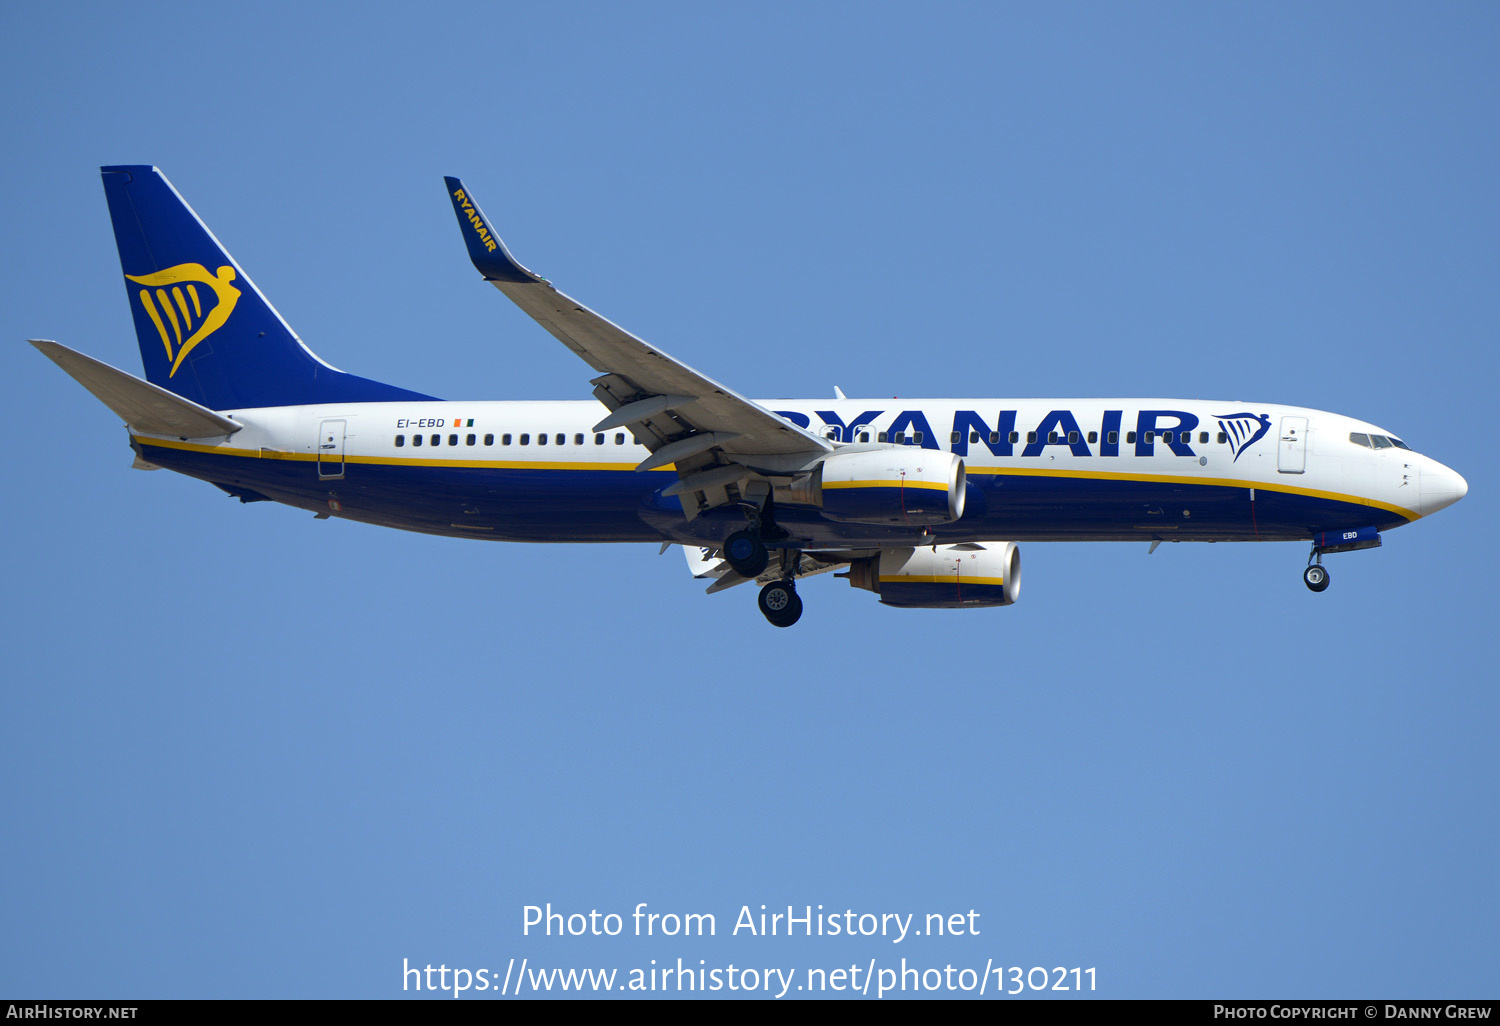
x: 895, y: 485
x: 945, y: 577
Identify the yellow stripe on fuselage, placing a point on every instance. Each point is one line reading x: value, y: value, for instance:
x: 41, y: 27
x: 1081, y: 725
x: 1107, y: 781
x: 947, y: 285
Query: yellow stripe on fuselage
x: 396, y: 461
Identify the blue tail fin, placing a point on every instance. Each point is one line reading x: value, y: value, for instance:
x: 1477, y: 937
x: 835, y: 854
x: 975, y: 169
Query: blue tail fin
x: 205, y: 330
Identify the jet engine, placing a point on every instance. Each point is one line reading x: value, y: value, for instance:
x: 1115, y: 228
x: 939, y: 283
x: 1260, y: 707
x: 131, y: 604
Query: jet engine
x: 895, y: 485
x: 942, y: 576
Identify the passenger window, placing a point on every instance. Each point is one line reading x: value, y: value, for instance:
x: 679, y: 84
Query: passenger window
x: 994, y: 438
x: 1223, y: 438
x: 505, y: 439
x: 619, y: 438
x: 400, y: 441
x: 882, y: 436
x: 1114, y: 438
x: 1150, y: 437
x: 953, y: 439
x: 416, y: 439
x: 1072, y: 437
x: 541, y: 439
x: 1130, y: 438
x: 1093, y: 437
x: 489, y: 439
x: 526, y: 439
x: 452, y: 439
x: 470, y: 440
x: 1015, y: 436
x: 1030, y: 437
x: 577, y: 439
x: 1358, y: 438
x: 1166, y: 436
x: 436, y: 439
x: 864, y: 436
x: 919, y: 435
x: 562, y: 439
x: 1202, y: 437
x: 1051, y: 437
x: 973, y: 437
x: 599, y: 438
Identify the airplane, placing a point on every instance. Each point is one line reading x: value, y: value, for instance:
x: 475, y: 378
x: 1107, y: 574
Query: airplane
x: 922, y: 502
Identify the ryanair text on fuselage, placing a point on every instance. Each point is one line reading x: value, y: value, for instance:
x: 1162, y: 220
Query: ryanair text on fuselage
x: 1172, y: 428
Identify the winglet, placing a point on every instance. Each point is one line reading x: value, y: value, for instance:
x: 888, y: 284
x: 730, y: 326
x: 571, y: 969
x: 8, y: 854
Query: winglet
x: 489, y: 254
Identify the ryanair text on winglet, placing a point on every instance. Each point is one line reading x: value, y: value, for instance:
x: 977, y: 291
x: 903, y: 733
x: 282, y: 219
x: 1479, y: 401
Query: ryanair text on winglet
x: 477, y: 221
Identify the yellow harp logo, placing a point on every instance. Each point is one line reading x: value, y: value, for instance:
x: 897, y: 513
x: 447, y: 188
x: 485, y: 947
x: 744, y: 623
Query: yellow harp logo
x: 175, y: 301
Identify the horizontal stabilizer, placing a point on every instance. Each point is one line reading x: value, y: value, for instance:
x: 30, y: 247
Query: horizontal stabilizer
x: 138, y: 403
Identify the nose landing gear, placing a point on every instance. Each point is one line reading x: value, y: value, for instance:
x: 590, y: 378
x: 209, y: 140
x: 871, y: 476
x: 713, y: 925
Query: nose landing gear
x: 1343, y: 540
x: 1315, y: 577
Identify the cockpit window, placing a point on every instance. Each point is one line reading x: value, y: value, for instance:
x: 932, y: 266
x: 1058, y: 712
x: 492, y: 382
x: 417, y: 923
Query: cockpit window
x: 1359, y: 439
x: 1381, y: 442
x: 1399, y: 444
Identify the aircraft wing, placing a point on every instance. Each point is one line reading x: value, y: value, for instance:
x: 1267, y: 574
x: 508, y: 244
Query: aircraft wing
x: 713, y: 435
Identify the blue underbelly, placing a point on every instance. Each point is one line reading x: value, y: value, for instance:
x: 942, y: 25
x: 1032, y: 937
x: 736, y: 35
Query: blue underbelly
x: 592, y: 505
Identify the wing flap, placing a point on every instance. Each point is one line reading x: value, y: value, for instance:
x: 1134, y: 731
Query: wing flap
x: 706, y: 564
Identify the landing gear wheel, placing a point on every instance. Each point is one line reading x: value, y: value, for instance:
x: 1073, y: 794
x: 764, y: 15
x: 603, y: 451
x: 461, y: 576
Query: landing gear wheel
x: 780, y: 603
x: 746, y: 553
x: 1315, y: 577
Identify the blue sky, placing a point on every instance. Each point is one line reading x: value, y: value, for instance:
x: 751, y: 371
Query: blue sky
x: 247, y: 753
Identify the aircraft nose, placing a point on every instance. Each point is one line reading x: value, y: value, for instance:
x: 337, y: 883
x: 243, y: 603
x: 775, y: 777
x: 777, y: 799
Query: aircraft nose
x: 1441, y: 487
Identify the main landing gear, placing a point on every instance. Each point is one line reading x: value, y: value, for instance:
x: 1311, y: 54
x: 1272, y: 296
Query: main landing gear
x: 780, y: 604
x: 745, y: 551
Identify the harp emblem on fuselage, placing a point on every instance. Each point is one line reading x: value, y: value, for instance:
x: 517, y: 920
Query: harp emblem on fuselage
x: 1243, y: 430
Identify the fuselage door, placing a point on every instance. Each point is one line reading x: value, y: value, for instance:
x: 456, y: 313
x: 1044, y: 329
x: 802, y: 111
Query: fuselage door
x: 331, y: 449
x: 1291, y: 456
